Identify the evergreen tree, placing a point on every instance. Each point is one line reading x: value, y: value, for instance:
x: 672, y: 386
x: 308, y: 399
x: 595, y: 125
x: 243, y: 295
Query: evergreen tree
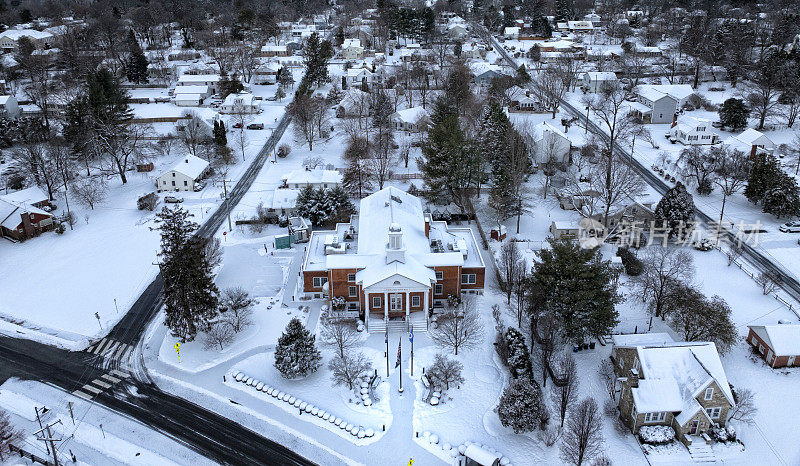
x: 296, y: 354
x: 502, y: 202
x: 565, y: 10
x: 340, y: 208
x: 316, y: 54
x: 522, y: 75
x: 578, y: 286
x: 519, y: 358
x: 220, y: 133
x: 733, y: 113
x: 136, y: 66
x: 763, y: 176
x: 492, y: 135
x: 190, y: 295
x: 675, y: 210
x: 521, y: 407
x: 382, y: 108
x: 358, y: 178
x: 782, y: 199
x: 229, y: 85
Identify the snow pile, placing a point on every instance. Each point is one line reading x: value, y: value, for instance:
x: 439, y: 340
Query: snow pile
x: 303, y: 407
x: 656, y: 435
x: 448, y: 452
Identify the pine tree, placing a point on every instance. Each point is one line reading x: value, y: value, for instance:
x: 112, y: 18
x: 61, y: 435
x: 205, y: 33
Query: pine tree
x: 501, y: 200
x: 136, y: 66
x: 521, y: 407
x: 340, y: 208
x: 519, y: 358
x: 492, y: 134
x: 357, y: 178
x: 763, y: 177
x: 565, y: 10
x: 782, y: 200
x: 190, y: 295
x: 733, y: 113
x: 675, y: 210
x: 296, y: 354
x: 229, y: 85
x: 382, y: 109
x: 220, y: 133
x: 578, y: 286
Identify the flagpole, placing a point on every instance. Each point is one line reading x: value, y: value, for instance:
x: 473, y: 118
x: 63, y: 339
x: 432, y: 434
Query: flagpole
x: 412, y: 351
x: 400, y: 360
x: 387, y: 353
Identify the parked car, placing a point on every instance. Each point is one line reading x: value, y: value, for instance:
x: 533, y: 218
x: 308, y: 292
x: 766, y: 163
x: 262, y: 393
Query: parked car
x: 790, y: 227
x: 237, y: 125
x: 255, y: 126
x: 704, y: 245
x: 199, y: 186
x: 173, y: 200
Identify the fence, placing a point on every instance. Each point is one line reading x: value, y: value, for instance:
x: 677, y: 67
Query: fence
x: 25, y: 454
x: 160, y: 119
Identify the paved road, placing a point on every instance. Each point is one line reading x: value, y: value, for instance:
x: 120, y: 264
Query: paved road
x: 788, y: 281
x: 208, y: 433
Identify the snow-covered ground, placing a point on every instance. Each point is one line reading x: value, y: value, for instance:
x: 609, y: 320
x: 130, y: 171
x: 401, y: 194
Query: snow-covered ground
x: 95, y: 436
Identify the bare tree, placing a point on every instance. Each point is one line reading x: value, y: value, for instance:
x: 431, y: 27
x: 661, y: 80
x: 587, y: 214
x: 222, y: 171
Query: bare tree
x: 618, y: 184
x: 551, y: 87
x: 219, y: 334
x: 90, y: 192
x: 546, y: 333
x: 583, y: 438
x: 241, y: 117
x: 304, y: 110
x: 348, y: 369
x: 745, y: 409
x: 195, y: 132
x: 340, y: 334
x: 663, y: 266
x: 213, y: 252
x: 731, y: 173
x: 445, y: 371
x: 236, y: 307
x: 246, y: 61
x: 768, y: 281
x: 608, y: 107
x: 9, y: 435
x: 565, y: 388
x: 508, y: 268
x: 383, y: 157
x: 34, y: 160
x: 122, y: 147
x: 460, y: 326
x: 609, y: 378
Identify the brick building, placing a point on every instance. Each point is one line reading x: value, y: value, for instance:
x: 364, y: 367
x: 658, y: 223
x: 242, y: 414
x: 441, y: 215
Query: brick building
x: 392, y: 263
x: 778, y: 345
x: 676, y: 384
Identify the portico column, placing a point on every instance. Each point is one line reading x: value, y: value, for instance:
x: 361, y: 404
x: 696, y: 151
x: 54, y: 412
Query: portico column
x: 408, y: 304
x: 425, y: 304
x: 386, y: 305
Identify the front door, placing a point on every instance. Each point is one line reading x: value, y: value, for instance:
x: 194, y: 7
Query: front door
x: 693, y: 428
x: 395, y: 303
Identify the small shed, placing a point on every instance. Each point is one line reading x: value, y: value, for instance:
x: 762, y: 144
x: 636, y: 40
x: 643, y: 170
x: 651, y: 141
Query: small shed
x: 300, y: 229
x: 561, y: 229
x: 145, y: 167
x: 779, y: 344
x: 477, y: 456
x: 499, y: 234
x: 284, y: 241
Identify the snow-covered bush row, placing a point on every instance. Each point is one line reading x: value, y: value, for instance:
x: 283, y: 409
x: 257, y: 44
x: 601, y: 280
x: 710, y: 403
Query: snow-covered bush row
x: 457, y: 451
x: 722, y: 434
x: 302, y: 406
x: 656, y: 435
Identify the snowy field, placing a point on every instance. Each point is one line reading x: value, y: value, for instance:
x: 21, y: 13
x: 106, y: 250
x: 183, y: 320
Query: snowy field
x: 60, y: 281
x: 96, y: 436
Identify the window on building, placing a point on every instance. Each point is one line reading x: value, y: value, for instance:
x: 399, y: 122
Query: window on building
x: 185, y: 183
x: 319, y: 281
x: 655, y: 417
x: 438, y: 289
x: 709, y: 393
x: 468, y: 279
x: 376, y: 301
x: 439, y: 275
x: 415, y: 301
x: 353, y: 291
x: 352, y: 305
x: 173, y: 182
x: 713, y: 413
x: 351, y: 277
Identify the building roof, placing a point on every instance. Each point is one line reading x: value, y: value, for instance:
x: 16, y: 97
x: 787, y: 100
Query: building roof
x: 284, y: 199
x: 639, y: 339
x: 784, y: 339
x: 351, y: 43
x: 190, y: 165
x: 315, y: 176
x: 17, y: 34
x: 538, y: 131
x: 411, y: 115
x: 649, y: 92
x: 677, y: 91
x: 198, y: 78
x: 191, y: 89
x: 32, y: 195
x: 244, y: 99
x: 601, y: 75
x: 10, y: 213
x: 274, y: 48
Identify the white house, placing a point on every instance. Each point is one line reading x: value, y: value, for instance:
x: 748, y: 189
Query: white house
x: 274, y: 51
x: 593, y: 81
x: 356, y: 103
x: 750, y: 141
x: 316, y: 178
x: 511, y: 32
x: 8, y: 107
x: 653, y: 105
x: 183, y: 175
x: 239, y: 103
x: 283, y: 201
x: 692, y: 131
x: 9, y: 39
x: 549, y: 144
x: 352, y: 49
x: 203, y: 91
x: 679, y: 92
x: 358, y: 76
x: 189, y: 100
x: 210, y: 80
x: 585, y: 27
x: 457, y: 31
x: 413, y: 119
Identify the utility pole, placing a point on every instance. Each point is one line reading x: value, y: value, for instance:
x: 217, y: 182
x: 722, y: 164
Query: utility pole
x: 41, y: 426
x: 71, y: 414
x: 225, y: 188
x: 49, y: 439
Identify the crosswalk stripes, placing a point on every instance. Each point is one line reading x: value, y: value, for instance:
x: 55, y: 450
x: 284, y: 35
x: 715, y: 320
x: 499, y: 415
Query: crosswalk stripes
x: 104, y: 382
x: 111, y: 349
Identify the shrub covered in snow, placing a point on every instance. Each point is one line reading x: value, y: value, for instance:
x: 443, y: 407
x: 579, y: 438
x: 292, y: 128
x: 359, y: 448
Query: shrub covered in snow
x: 519, y: 358
x: 296, y: 354
x: 722, y: 434
x: 656, y: 435
x: 521, y: 407
x: 633, y: 266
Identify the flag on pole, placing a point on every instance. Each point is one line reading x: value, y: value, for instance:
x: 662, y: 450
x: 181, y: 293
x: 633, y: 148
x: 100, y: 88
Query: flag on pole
x: 386, y: 335
x: 399, y: 349
x: 411, y: 335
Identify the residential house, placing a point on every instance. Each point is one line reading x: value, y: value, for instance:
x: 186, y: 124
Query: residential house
x: 9, y: 39
x: 240, y: 103
x: 594, y: 81
x: 356, y: 103
x: 778, y: 345
x: 750, y: 141
x: 316, y: 178
x: 457, y: 31
x: 210, y: 80
x: 635, y: 213
x: 413, y: 119
x: 473, y: 51
x: 511, y: 32
x: 33, y: 196
x: 282, y: 201
x: 393, y: 264
x: 654, y: 106
x: 680, y: 92
x: 548, y: 144
x: 184, y: 175
x: 8, y: 107
x: 691, y: 131
x: 677, y: 384
x: 520, y: 100
x: 595, y: 19
x: 581, y: 27
x: 270, y: 51
x: 266, y: 74
x: 191, y: 95
x: 20, y: 221
x: 358, y: 77
x: 352, y: 49
x: 563, y: 229
x: 488, y: 73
